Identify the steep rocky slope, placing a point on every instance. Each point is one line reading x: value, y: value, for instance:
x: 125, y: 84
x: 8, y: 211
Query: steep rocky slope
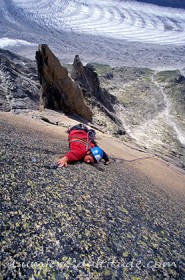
x: 82, y: 222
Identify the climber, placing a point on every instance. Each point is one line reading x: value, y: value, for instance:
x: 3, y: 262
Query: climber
x: 83, y: 147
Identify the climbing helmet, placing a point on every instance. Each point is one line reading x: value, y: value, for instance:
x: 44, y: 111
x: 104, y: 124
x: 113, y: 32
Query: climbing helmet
x: 97, y: 153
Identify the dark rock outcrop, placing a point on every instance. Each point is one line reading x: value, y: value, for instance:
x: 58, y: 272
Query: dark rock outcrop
x: 19, y: 87
x: 58, y: 90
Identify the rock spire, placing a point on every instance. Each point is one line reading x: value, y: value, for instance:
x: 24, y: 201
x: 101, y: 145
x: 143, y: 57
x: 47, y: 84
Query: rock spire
x: 58, y: 90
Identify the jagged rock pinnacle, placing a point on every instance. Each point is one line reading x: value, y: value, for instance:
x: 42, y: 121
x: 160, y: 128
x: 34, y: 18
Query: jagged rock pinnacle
x: 58, y: 90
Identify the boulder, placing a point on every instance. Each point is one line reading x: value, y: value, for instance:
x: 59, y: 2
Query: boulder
x: 58, y: 90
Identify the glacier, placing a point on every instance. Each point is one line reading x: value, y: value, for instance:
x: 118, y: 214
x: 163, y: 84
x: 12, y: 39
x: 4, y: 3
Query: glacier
x: 116, y: 32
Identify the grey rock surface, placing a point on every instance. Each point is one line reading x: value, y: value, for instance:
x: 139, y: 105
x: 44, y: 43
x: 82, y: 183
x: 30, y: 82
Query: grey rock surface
x: 82, y: 222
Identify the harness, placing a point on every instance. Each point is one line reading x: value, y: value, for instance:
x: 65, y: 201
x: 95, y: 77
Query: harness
x: 82, y: 141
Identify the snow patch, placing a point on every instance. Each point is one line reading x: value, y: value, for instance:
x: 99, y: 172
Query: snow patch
x: 6, y: 42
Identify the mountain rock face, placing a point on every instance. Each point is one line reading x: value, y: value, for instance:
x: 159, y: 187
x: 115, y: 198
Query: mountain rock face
x: 58, y: 90
x: 138, y: 105
x: 83, y: 222
x: 19, y: 87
